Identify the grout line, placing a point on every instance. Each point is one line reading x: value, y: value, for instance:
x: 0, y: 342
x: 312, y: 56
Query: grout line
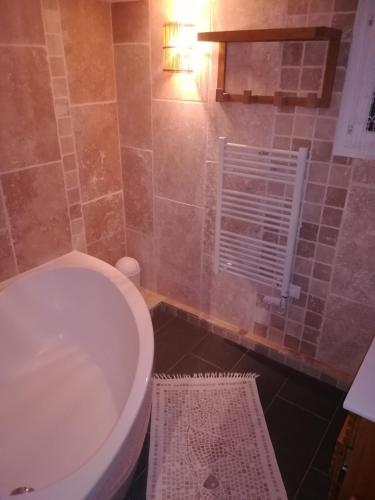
x: 361, y: 184
x: 303, y: 408
x: 24, y: 45
x: 347, y: 299
x: 179, y: 202
x: 310, y: 466
x: 326, y: 474
x: 163, y: 325
x: 155, y: 240
x: 122, y: 44
x: 276, y: 395
x: 69, y: 99
x: 8, y: 227
x: 197, y: 357
x: 118, y: 127
x: 209, y: 74
x: 82, y: 104
x: 239, y: 360
x: 58, y: 135
x: 27, y: 167
x: 181, y: 101
x: 102, y: 237
x: 136, y: 148
x: 207, y: 361
x: 107, y: 195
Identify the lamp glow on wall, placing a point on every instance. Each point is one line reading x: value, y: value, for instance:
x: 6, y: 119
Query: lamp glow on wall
x: 179, y: 40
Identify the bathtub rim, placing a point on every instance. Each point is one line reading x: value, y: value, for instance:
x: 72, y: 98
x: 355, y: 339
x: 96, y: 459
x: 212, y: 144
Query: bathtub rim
x: 83, y: 480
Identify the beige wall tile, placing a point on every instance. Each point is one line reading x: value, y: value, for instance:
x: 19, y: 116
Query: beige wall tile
x: 141, y: 246
x: 87, y: 24
x: 57, y: 66
x: 130, y: 22
x: 178, y: 233
x: 242, y: 14
x: 52, y: 20
x: 347, y: 333
x: 38, y: 213
x: 138, y: 189
x: 54, y: 45
x: 28, y: 133
x: 95, y: 130
x: 242, y: 123
x: 7, y: 259
x: 103, y: 217
x: 229, y: 297
x: 109, y: 249
x: 2, y: 211
x: 355, y: 267
x: 134, y: 94
x: 247, y: 67
x: 59, y: 87
x: 179, y: 150
x: 21, y: 22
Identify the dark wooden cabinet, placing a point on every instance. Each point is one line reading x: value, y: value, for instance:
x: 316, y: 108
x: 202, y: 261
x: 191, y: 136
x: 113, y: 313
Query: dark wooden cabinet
x: 353, y: 462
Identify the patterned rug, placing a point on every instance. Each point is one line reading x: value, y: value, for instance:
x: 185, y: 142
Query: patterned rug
x: 209, y: 441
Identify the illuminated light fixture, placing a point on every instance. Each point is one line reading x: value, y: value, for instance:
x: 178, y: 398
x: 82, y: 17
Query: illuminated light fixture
x: 178, y: 47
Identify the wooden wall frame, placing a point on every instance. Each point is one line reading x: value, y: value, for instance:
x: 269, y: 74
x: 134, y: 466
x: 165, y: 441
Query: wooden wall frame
x: 312, y: 100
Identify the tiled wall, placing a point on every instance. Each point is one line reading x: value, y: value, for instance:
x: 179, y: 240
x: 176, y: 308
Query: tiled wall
x: 60, y: 174
x: 169, y: 125
x: 70, y: 168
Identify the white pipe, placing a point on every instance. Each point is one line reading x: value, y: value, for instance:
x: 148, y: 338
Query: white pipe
x: 271, y: 209
x: 270, y: 265
x: 271, y: 201
x: 293, y: 228
x: 222, y: 142
x: 269, y: 216
x: 234, y: 214
x: 267, y: 161
x: 250, y: 176
x: 272, y: 169
x: 280, y: 152
x: 268, y: 252
x: 261, y: 243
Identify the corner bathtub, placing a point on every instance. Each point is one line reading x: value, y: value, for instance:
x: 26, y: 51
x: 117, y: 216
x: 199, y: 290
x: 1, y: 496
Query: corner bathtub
x: 75, y: 364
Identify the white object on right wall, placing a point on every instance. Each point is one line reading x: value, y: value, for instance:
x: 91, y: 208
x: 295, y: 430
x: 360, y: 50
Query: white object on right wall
x: 355, y: 133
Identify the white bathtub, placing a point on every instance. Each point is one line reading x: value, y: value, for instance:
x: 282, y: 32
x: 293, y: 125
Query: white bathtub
x: 75, y: 364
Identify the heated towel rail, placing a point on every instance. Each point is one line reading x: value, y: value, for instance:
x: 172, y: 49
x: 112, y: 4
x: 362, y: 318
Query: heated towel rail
x: 257, y: 216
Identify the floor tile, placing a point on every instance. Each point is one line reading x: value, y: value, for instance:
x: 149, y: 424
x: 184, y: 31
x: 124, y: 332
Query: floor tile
x: 175, y: 340
x: 160, y: 319
x: 311, y: 394
x: 137, y: 490
x: 314, y: 487
x: 219, y: 351
x: 143, y: 458
x: 190, y: 364
x: 272, y: 375
x: 295, y: 435
x: 303, y: 415
x: 323, y: 458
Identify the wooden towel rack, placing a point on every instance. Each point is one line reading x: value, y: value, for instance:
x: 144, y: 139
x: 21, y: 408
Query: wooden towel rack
x: 332, y: 35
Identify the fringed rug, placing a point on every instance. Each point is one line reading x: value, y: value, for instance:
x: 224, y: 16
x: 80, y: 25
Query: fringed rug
x: 209, y: 441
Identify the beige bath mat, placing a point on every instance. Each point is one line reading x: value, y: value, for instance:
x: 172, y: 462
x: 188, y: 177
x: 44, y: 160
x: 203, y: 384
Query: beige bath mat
x: 209, y: 441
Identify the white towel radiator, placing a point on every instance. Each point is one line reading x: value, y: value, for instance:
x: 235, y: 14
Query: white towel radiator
x: 257, y: 217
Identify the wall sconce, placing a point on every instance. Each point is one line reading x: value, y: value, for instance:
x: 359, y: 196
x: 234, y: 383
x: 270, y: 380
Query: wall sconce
x: 178, y: 47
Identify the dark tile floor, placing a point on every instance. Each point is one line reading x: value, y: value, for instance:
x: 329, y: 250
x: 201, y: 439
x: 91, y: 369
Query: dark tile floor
x: 303, y: 415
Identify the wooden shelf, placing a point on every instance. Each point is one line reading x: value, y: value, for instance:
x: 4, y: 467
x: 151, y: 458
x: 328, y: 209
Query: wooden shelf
x: 272, y: 35
x: 318, y: 33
